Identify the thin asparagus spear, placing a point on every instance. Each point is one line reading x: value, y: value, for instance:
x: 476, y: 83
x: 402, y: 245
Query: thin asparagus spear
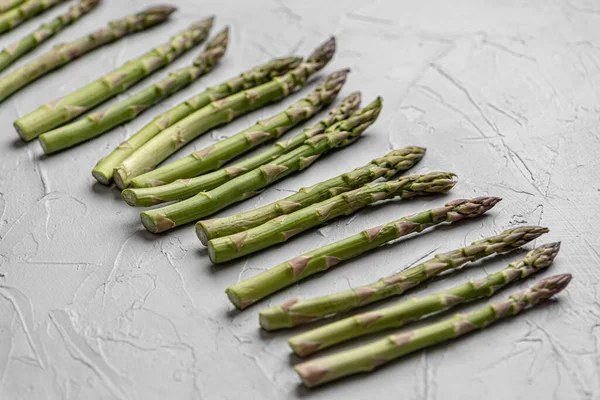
x: 63, y: 110
x: 13, y: 52
x: 185, y: 188
x: 103, y: 172
x: 414, y: 309
x: 282, y: 228
x: 23, y: 12
x: 64, y: 53
x: 99, y: 122
x: 249, y: 291
x: 217, y: 113
x: 243, y: 187
x: 212, y: 157
x: 368, y: 357
x: 6, y: 5
x: 387, y: 166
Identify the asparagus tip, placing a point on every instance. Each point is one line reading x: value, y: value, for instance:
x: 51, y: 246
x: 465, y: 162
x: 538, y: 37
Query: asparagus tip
x: 324, y: 52
x: 554, y: 284
x: 161, y: 12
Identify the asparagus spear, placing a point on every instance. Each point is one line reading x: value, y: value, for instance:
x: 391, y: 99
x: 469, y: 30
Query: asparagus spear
x: 282, y: 228
x: 247, y: 292
x: 67, y: 52
x: 243, y: 187
x: 387, y: 166
x: 368, y: 357
x: 99, y: 122
x: 212, y: 157
x: 6, y: 5
x: 103, y: 172
x: 217, y: 113
x: 13, y: 52
x: 185, y: 188
x: 65, y: 109
x: 411, y: 310
x: 23, y: 12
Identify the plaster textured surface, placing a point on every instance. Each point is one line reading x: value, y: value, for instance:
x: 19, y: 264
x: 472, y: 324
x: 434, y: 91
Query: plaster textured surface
x: 504, y: 93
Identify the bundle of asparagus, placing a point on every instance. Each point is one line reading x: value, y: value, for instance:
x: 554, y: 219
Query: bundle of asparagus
x: 414, y: 309
x: 339, y: 135
x: 216, y: 113
x: 67, y: 52
x: 104, y: 170
x: 21, y: 11
x: 368, y: 357
x: 65, y: 109
x: 383, y: 167
x: 297, y: 312
x: 282, y: 228
x: 14, y: 51
x: 185, y: 188
x: 249, y: 291
x: 99, y: 122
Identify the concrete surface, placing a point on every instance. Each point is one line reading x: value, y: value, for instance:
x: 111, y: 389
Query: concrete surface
x: 504, y: 93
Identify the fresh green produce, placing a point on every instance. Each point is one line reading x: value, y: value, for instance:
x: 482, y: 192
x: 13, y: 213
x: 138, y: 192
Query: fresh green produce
x: 249, y: 291
x: 414, y: 309
x: 212, y: 157
x: 14, y: 51
x: 282, y: 228
x: 67, y: 52
x: 243, y: 187
x: 368, y: 357
x: 99, y: 122
x: 63, y: 110
x: 104, y: 170
x: 214, y: 114
x: 185, y: 188
x: 6, y: 5
x: 383, y: 167
x: 15, y: 16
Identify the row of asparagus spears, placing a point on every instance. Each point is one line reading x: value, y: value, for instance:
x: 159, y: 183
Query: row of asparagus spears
x: 199, y: 185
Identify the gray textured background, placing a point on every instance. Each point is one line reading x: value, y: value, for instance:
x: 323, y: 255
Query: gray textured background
x: 504, y: 93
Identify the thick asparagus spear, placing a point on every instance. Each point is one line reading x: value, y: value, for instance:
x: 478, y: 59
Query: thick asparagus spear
x: 67, y: 52
x: 414, y: 309
x: 387, y: 166
x: 23, y: 12
x: 217, y: 113
x: 6, y: 5
x: 99, y: 122
x: 13, y: 52
x: 212, y: 157
x: 65, y: 109
x: 282, y: 228
x: 247, y: 292
x: 103, y: 172
x: 243, y: 187
x: 185, y: 188
x: 368, y: 357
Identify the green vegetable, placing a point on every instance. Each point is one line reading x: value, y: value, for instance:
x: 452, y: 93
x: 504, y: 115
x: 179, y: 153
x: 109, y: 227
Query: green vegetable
x: 15, y: 16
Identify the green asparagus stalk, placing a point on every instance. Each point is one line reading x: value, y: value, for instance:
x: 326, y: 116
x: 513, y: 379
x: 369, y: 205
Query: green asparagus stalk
x: 65, y: 109
x: 249, y: 291
x: 217, y: 113
x: 23, y: 12
x: 368, y: 357
x: 103, y: 172
x: 243, y: 187
x: 386, y: 167
x: 6, y: 5
x: 16, y: 50
x: 212, y: 157
x: 99, y: 122
x: 282, y: 228
x: 185, y: 188
x: 414, y: 309
x: 67, y: 52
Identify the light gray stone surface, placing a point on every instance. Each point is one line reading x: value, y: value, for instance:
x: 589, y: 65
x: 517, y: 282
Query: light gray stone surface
x: 504, y: 93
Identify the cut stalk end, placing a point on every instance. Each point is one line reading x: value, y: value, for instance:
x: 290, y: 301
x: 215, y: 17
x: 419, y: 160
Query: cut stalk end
x: 202, y: 234
x: 21, y: 132
x: 148, y: 223
x: 234, y: 299
x: 119, y: 176
x: 211, y: 253
x: 101, y: 177
x: 130, y: 197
